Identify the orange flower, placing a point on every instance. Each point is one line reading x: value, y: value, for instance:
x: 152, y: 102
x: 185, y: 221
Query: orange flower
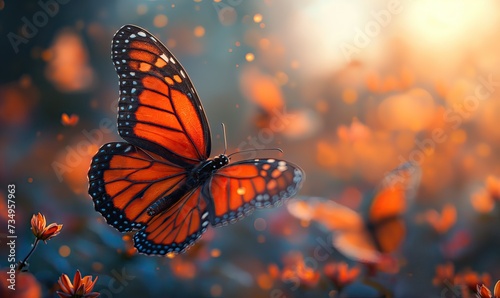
x: 445, y: 273
x: 41, y: 231
x: 298, y: 272
x: 340, y: 274
x: 305, y: 276
x: 471, y: 280
x: 80, y: 288
x: 483, y: 292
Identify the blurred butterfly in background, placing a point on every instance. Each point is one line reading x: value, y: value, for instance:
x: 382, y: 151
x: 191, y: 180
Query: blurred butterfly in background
x: 160, y: 182
x: 376, y: 232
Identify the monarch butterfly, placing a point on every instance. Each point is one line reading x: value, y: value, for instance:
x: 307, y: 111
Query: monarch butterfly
x: 378, y: 231
x: 160, y: 182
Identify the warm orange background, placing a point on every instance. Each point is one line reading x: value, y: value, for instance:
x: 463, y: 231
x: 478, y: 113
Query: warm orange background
x: 348, y: 89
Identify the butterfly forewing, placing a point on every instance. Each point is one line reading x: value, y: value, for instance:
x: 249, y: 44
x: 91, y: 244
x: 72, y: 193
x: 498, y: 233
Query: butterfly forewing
x: 125, y: 180
x: 159, y: 109
x: 394, y: 193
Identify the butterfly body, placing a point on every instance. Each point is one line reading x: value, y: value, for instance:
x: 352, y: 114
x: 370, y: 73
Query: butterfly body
x: 196, y: 177
x: 160, y: 183
x: 207, y: 168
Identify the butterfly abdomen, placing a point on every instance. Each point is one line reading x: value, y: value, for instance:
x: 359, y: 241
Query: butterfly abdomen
x: 167, y: 202
x: 198, y: 175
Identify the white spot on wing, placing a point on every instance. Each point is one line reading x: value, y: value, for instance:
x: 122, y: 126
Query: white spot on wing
x: 282, y: 168
x: 141, y: 34
x: 164, y: 57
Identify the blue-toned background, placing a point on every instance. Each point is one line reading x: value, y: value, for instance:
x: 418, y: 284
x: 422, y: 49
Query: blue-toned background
x: 348, y: 89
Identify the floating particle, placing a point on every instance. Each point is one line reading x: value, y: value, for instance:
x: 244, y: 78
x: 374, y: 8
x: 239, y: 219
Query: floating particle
x: 142, y: 9
x: 64, y: 251
x: 160, y: 21
x: 215, y: 253
x: 249, y: 57
x: 257, y: 18
x: 199, y: 31
x: 260, y: 224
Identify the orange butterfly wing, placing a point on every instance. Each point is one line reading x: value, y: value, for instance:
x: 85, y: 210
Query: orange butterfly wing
x: 177, y: 228
x: 385, y: 215
x: 366, y: 237
x: 159, y: 109
x: 125, y: 180
x: 350, y: 235
x: 237, y: 189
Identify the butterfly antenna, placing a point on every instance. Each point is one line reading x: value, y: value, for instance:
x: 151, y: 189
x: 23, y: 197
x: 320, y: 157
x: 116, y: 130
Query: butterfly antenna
x: 224, y: 134
x: 250, y: 150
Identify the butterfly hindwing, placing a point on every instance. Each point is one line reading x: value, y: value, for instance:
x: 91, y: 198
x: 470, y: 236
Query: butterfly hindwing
x: 159, y: 109
x: 350, y: 235
x: 237, y: 189
x: 125, y: 180
x: 175, y: 229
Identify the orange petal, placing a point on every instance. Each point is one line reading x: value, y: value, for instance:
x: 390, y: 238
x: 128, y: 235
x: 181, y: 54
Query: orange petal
x: 90, y: 285
x: 80, y: 291
x: 65, y: 284
x: 52, y: 230
x: 37, y: 224
x: 77, y: 280
x: 496, y: 290
x: 64, y: 295
x: 483, y: 292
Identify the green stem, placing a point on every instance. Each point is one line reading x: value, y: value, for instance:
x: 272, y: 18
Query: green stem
x: 24, y: 263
